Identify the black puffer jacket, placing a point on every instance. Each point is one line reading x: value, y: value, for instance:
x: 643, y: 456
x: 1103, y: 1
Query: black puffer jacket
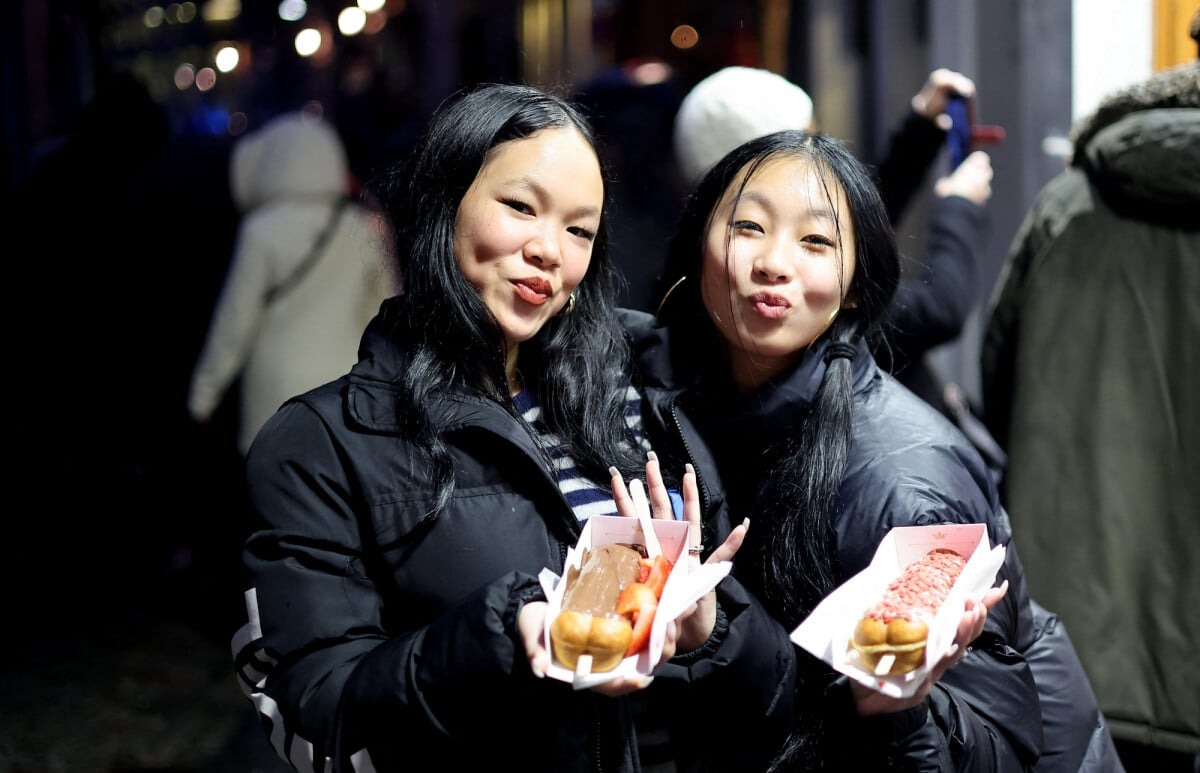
x: 907, y: 466
x: 377, y: 631
x: 932, y: 302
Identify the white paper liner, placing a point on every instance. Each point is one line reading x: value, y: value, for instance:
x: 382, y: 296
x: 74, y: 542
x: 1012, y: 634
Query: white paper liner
x: 686, y: 584
x: 826, y: 632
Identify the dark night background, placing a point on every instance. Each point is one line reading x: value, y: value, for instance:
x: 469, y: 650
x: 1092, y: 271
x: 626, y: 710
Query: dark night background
x: 121, y: 544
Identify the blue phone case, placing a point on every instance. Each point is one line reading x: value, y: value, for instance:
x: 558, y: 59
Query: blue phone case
x: 958, y: 139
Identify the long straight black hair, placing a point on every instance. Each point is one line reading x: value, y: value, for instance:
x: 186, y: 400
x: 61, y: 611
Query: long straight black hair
x: 792, y: 544
x: 789, y: 558
x: 578, y: 362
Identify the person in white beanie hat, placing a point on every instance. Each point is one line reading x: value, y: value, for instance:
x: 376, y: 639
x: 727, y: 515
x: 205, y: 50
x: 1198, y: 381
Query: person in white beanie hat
x: 731, y: 106
x: 737, y: 104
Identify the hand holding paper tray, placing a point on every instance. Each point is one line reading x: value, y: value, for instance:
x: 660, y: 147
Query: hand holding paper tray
x: 685, y: 585
x: 827, y: 632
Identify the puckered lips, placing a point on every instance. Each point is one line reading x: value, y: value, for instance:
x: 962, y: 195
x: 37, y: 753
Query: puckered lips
x: 769, y: 305
x: 535, y: 290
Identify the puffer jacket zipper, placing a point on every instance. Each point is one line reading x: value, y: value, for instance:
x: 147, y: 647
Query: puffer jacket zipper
x: 598, y: 747
x: 705, y: 497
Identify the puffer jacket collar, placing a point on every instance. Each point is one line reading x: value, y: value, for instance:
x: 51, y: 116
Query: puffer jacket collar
x: 372, y: 397
x: 651, y: 346
x: 772, y: 409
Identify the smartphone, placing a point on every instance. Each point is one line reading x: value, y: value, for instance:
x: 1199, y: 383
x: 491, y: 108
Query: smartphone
x: 958, y: 139
x: 965, y: 134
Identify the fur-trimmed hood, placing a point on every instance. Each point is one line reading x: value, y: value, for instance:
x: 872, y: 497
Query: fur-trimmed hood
x: 1175, y: 87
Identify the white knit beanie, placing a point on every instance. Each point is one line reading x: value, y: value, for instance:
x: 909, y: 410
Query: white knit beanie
x: 729, y: 107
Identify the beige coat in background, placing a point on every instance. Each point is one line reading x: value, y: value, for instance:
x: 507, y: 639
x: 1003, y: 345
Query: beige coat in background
x: 286, y: 179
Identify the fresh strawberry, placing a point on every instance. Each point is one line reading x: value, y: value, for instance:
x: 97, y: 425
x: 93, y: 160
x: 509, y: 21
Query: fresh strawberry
x: 635, y: 596
x: 641, y: 628
x: 654, y: 572
x: 638, y: 602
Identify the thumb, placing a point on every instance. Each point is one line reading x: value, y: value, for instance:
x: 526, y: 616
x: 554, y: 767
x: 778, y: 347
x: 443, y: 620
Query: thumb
x: 530, y: 622
x: 727, y: 549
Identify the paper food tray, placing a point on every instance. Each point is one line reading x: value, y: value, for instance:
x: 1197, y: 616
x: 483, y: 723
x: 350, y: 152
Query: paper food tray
x: 826, y: 632
x: 685, y: 585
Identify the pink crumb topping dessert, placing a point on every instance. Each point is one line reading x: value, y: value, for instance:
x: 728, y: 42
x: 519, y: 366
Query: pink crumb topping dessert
x: 921, y: 587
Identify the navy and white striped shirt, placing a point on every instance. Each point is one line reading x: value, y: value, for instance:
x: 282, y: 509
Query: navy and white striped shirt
x: 585, y: 496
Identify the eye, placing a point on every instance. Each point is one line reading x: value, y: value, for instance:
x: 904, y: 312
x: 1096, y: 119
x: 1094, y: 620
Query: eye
x: 747, y: 225
x: 583, y: 233
x: 819, y: 240
x: 518, y: 205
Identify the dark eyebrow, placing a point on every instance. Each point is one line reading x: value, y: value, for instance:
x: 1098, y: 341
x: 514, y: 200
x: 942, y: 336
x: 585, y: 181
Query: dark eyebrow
x: 823, y: 213
x: 534, y: 187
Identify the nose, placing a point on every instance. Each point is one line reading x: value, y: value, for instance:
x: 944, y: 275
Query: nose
x: 544, y: 248
x: 772, y: 264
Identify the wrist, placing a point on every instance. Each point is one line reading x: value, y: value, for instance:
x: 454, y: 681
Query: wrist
x: 711, y: 644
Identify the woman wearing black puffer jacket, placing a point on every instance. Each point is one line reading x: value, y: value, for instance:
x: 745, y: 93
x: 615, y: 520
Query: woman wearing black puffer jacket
x: 758, y: 371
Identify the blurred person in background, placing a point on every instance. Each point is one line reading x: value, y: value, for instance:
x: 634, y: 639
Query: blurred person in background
x: 1091, y: 368
x: 308, y: 272
x: 632, y: 105
x: 931, y: 306
x: 102, y: 214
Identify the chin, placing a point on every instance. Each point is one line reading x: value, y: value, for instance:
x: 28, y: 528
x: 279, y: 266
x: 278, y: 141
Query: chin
x: 522, y: 332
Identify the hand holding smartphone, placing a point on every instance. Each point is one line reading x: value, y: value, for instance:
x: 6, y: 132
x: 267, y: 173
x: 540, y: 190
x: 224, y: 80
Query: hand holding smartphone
x: 965, y: 135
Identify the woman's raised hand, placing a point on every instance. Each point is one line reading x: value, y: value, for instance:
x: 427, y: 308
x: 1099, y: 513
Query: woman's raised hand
x: 695, y: 625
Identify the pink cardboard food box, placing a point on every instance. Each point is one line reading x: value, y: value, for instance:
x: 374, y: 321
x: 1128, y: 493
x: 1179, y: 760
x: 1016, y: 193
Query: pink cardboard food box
x: 687, y: 583
x: 826, y: 632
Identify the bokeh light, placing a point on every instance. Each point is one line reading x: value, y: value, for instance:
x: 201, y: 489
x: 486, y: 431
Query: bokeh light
x: 185, y: 76
x: 292, y: 10
x: 238, y: 123
x: 221, y: 10
x: 351, y: 20
x: 206, y: 78
x: 227, y: 57
x: 308, y: 42
x: 153, y: 17
x: 684, y: 36
x: 375, y: 22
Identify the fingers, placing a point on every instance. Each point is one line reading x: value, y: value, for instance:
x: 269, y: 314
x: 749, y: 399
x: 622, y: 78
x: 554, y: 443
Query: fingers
x: 691, y: 511
x: 530, y: 627
x: 656, y: 490
x: 727, y: 549
x: 952, y: 656
x: 620, y: 494
x: 949, y: 82
x: 942, y: 84
x: 623, y: 685
x: 971, y: 624
x: 994, y: 595
x: 972, y: 179
x: 670, y: 642
x: 978, y: 162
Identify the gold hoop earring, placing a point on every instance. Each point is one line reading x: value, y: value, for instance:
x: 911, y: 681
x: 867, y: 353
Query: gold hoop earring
x: 667, y: 294
x: 570, y: 304
x: 832, y: 316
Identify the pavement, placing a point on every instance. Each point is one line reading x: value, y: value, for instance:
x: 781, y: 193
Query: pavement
x: 147, y: 686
